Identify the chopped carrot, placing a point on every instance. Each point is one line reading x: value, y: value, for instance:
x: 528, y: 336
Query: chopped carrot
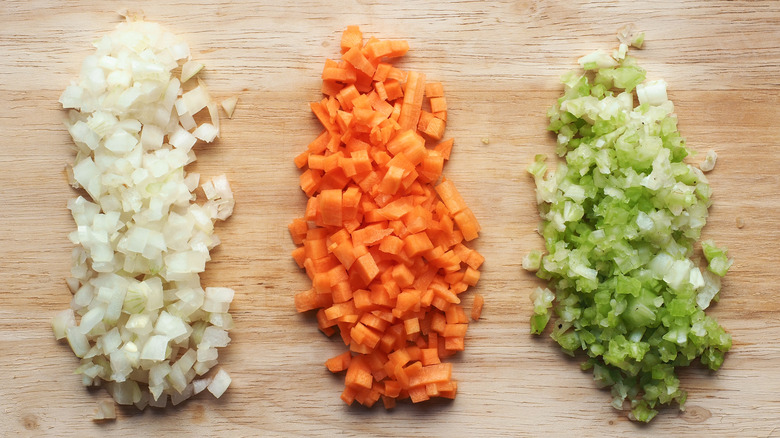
x: 413, y: 98
x: 438, y: 104
x: 434, y: 89
x: 352, y: 37
x: 339, y: 363
x: 382, y: 246
x: 476, y: 307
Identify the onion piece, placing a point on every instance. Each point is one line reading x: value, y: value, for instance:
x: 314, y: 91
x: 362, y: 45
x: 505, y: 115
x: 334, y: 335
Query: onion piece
x: 219, y: 383
x: 229, y: 105
x: 189, y: 70
x: 106, y: 411
x: 709, y: 161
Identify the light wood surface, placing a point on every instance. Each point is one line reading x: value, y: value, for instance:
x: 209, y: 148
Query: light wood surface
x: 500, y: 62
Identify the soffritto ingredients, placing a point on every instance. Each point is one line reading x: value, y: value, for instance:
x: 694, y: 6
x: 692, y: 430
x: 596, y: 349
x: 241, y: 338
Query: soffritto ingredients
x: 140, y: 320
x: 384, y: 247
x: 620, y: 219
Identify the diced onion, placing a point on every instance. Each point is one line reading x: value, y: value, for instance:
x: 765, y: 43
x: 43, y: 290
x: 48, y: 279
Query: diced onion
x: 106, y: 411
x: 139, y: 318
x: 190, y: 69
x: 220, y: 383
x: 229, y: 105
x: 709, y: 161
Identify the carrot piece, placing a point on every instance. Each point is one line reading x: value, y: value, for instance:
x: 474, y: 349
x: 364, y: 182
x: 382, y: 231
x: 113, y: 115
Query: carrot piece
x: 418, y: 394
x: 397, y: 208
x: 352, y: 37
x: 430, y: 356
x: 411, y: 326
x: 438, y: 104
x: 403, y: 276
x: 364, y: 335
x: 405, y: 140
x: 416, y: 243
x: 475, y: 260
x: 471, y: 276
x: 358, y: 374
x: 310, y: 181
x: 450, y: 196
x: 434, y: 89
x: 321, y: 112
x: 431, y: 167
x: 330, y: 207
x: 436, y: 373
x: 382, y: 70
x: 298, y: 229
x: 476, y: 307
x: 425, y: 120
x: 299, y: 255
x: 370, y: 234
x: 413, y: 97
x: 391, y: 244
x: 331, y: 88
x: 435, y: 128
x: 468, y: 224
x: 386, y: 49
x: 302, y: 159
x: 455, y: 330
x: 391, y: 182
x: 366, y: 268
x: 454, y: 343
x: 355, y: 57
x: 339, y: 363
x: 379, y: 87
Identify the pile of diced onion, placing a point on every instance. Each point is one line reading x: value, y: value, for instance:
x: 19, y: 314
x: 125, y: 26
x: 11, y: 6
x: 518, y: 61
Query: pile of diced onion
x: 140, y: 320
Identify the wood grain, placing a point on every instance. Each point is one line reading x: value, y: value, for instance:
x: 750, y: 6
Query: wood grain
x: 499, y: 62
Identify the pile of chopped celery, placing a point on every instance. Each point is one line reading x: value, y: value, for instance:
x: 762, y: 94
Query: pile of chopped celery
x: 619, y: 220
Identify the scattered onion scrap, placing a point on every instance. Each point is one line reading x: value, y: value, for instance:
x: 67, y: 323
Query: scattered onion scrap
x: 139, y: 319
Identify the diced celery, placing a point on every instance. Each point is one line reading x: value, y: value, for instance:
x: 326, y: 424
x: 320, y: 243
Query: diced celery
x: 620, y: 218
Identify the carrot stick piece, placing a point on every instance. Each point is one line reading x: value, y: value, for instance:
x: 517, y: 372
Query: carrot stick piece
x: 330, y: 207
x: 413, y: 97
x: 437, y: 373
x: 468, y: 224
x: 476, y: 307
x: 450, y: 196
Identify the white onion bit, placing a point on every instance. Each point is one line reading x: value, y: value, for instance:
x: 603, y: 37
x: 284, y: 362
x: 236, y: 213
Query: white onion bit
x: 140, y: 320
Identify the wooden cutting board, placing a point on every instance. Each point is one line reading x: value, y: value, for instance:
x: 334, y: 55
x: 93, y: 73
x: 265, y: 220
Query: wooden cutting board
x: 500, y: 62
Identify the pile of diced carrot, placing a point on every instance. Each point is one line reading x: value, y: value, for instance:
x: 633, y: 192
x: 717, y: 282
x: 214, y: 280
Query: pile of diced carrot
x: 384, y: 248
